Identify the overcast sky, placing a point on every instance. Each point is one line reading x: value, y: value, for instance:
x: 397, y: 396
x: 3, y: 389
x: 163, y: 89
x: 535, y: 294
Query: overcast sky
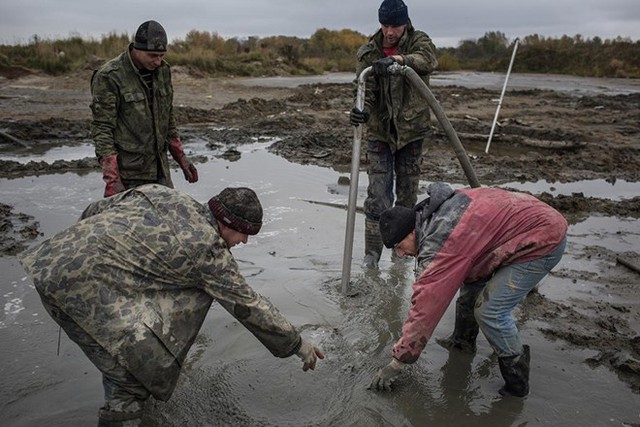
x: 447, y: 22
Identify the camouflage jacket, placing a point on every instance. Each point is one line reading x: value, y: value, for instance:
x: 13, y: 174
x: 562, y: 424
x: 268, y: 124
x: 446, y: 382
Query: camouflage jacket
x: 124, y: 123
x: 139, y: 272
x: 392, y: 98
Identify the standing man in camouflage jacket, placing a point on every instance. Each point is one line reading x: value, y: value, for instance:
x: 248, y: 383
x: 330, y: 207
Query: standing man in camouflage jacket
x: 132, y: 281
x: 133, y: 124
x: 396, y: 115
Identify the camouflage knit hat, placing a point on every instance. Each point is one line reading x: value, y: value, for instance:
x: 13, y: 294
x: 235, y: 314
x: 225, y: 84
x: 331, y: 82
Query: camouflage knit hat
x: 238, y: 208
x: 151, y: 37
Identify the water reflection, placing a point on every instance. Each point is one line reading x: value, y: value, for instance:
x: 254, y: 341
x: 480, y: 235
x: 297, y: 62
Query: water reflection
x: 230, y: 380
x: 517, y: 81
x: 617, y: 189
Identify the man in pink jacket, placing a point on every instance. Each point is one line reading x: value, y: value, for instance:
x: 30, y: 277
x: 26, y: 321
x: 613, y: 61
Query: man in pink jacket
x: 492, y: 245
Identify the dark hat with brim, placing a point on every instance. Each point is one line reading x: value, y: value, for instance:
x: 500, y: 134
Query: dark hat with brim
x: 393, y: 12
x: 239, y: 209
x: 395, y: 224
x: 151, y: 37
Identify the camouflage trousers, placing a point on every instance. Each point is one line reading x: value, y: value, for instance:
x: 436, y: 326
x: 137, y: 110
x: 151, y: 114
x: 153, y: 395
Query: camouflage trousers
x: 124, y: 395
x: 384, y: 166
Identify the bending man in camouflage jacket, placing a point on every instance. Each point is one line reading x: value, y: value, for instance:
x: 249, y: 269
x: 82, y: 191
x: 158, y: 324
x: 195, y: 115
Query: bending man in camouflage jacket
x: 132, y: 281
x: 133, y: 124
x: 397, y: 117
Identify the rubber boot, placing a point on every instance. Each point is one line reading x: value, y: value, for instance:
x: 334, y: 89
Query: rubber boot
x: 372, y: 244
x: 466, y: 328
x: 515, y: 371
x: 119, y: 419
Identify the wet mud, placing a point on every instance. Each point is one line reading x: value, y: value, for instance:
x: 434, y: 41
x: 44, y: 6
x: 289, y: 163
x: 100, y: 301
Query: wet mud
x: 541, y: 135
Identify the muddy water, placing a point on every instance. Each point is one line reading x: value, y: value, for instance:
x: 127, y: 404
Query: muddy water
x: 495, y: 81
x: 296, y: 261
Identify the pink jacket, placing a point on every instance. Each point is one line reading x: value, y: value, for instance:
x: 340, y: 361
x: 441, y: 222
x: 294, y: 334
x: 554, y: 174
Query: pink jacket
x: 463, y: 236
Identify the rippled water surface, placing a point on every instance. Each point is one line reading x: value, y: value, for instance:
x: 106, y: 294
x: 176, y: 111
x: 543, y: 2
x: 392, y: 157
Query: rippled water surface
x: 296, y: 261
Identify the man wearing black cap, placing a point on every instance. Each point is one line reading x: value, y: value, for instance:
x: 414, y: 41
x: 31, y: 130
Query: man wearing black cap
x: 133, y: 124
x: 493, y: 245
x: 397, y: 117
x: 132, y: 281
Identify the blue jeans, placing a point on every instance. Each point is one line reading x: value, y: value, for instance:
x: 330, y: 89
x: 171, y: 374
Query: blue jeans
x: 384, y: 165
x: 502, y: 292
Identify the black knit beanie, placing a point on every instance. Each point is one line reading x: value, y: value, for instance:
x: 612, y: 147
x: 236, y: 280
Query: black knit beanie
x: 395, y: 224
x: 151, y: 37
x: 393, y: 12
x: 239, y: 209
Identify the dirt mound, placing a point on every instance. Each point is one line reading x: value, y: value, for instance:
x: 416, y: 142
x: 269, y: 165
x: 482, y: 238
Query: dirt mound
x: 15, y: 71
x: 16, y: 230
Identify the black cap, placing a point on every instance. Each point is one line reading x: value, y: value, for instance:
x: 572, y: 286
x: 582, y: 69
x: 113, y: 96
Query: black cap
x: 395, y: 224
x: 150, y: 37
x: 393, y: 12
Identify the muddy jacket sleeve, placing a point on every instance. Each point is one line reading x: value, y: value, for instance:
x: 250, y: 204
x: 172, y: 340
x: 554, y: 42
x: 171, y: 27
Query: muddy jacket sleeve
x: 420, y: 53
x: 104, y: 107
x: 223, y: 281
x: 446, y: 269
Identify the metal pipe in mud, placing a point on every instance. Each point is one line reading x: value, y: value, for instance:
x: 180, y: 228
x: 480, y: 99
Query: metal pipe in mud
x: 424, y: 90
x: 13, y: 139
x: 627, y: 262
x: 353, y: 185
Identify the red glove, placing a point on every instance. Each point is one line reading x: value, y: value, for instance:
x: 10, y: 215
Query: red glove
x: 190, y: 171
x: 111, y: 175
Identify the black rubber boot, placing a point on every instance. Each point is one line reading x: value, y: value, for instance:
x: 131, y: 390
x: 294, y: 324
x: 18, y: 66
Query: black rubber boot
x: 515, y: 371
x: 372, y: 244
x: 466, y: 328
x: 119, y: 419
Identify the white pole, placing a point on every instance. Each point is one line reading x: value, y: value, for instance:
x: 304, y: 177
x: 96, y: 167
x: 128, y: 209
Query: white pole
x: 504, y: 88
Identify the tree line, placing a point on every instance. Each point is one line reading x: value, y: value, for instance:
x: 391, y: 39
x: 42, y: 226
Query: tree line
x: 333, y: 51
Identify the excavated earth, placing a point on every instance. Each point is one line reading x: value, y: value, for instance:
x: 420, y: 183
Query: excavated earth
x: 541, y: 135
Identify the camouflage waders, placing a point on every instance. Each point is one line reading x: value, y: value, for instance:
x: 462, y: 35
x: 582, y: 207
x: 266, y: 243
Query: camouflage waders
x: 124, y: 395
x: 384, y: 166
x: 372, y: 244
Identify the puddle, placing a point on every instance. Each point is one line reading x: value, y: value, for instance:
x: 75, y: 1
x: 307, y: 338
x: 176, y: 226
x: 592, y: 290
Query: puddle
x: 517, y: 81
x: 48, y: 151
x: 616, y: 189
x: 296, y: 262
x: 613, y: 190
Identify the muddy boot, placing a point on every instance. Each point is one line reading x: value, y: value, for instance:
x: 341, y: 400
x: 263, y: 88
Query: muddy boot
x: 515, y: 371
x: 372, y: 244
x: 466, y: 328
x: 119, y: 419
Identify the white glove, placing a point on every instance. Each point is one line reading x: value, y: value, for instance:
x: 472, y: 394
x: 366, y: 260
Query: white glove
x: 387, y: 375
